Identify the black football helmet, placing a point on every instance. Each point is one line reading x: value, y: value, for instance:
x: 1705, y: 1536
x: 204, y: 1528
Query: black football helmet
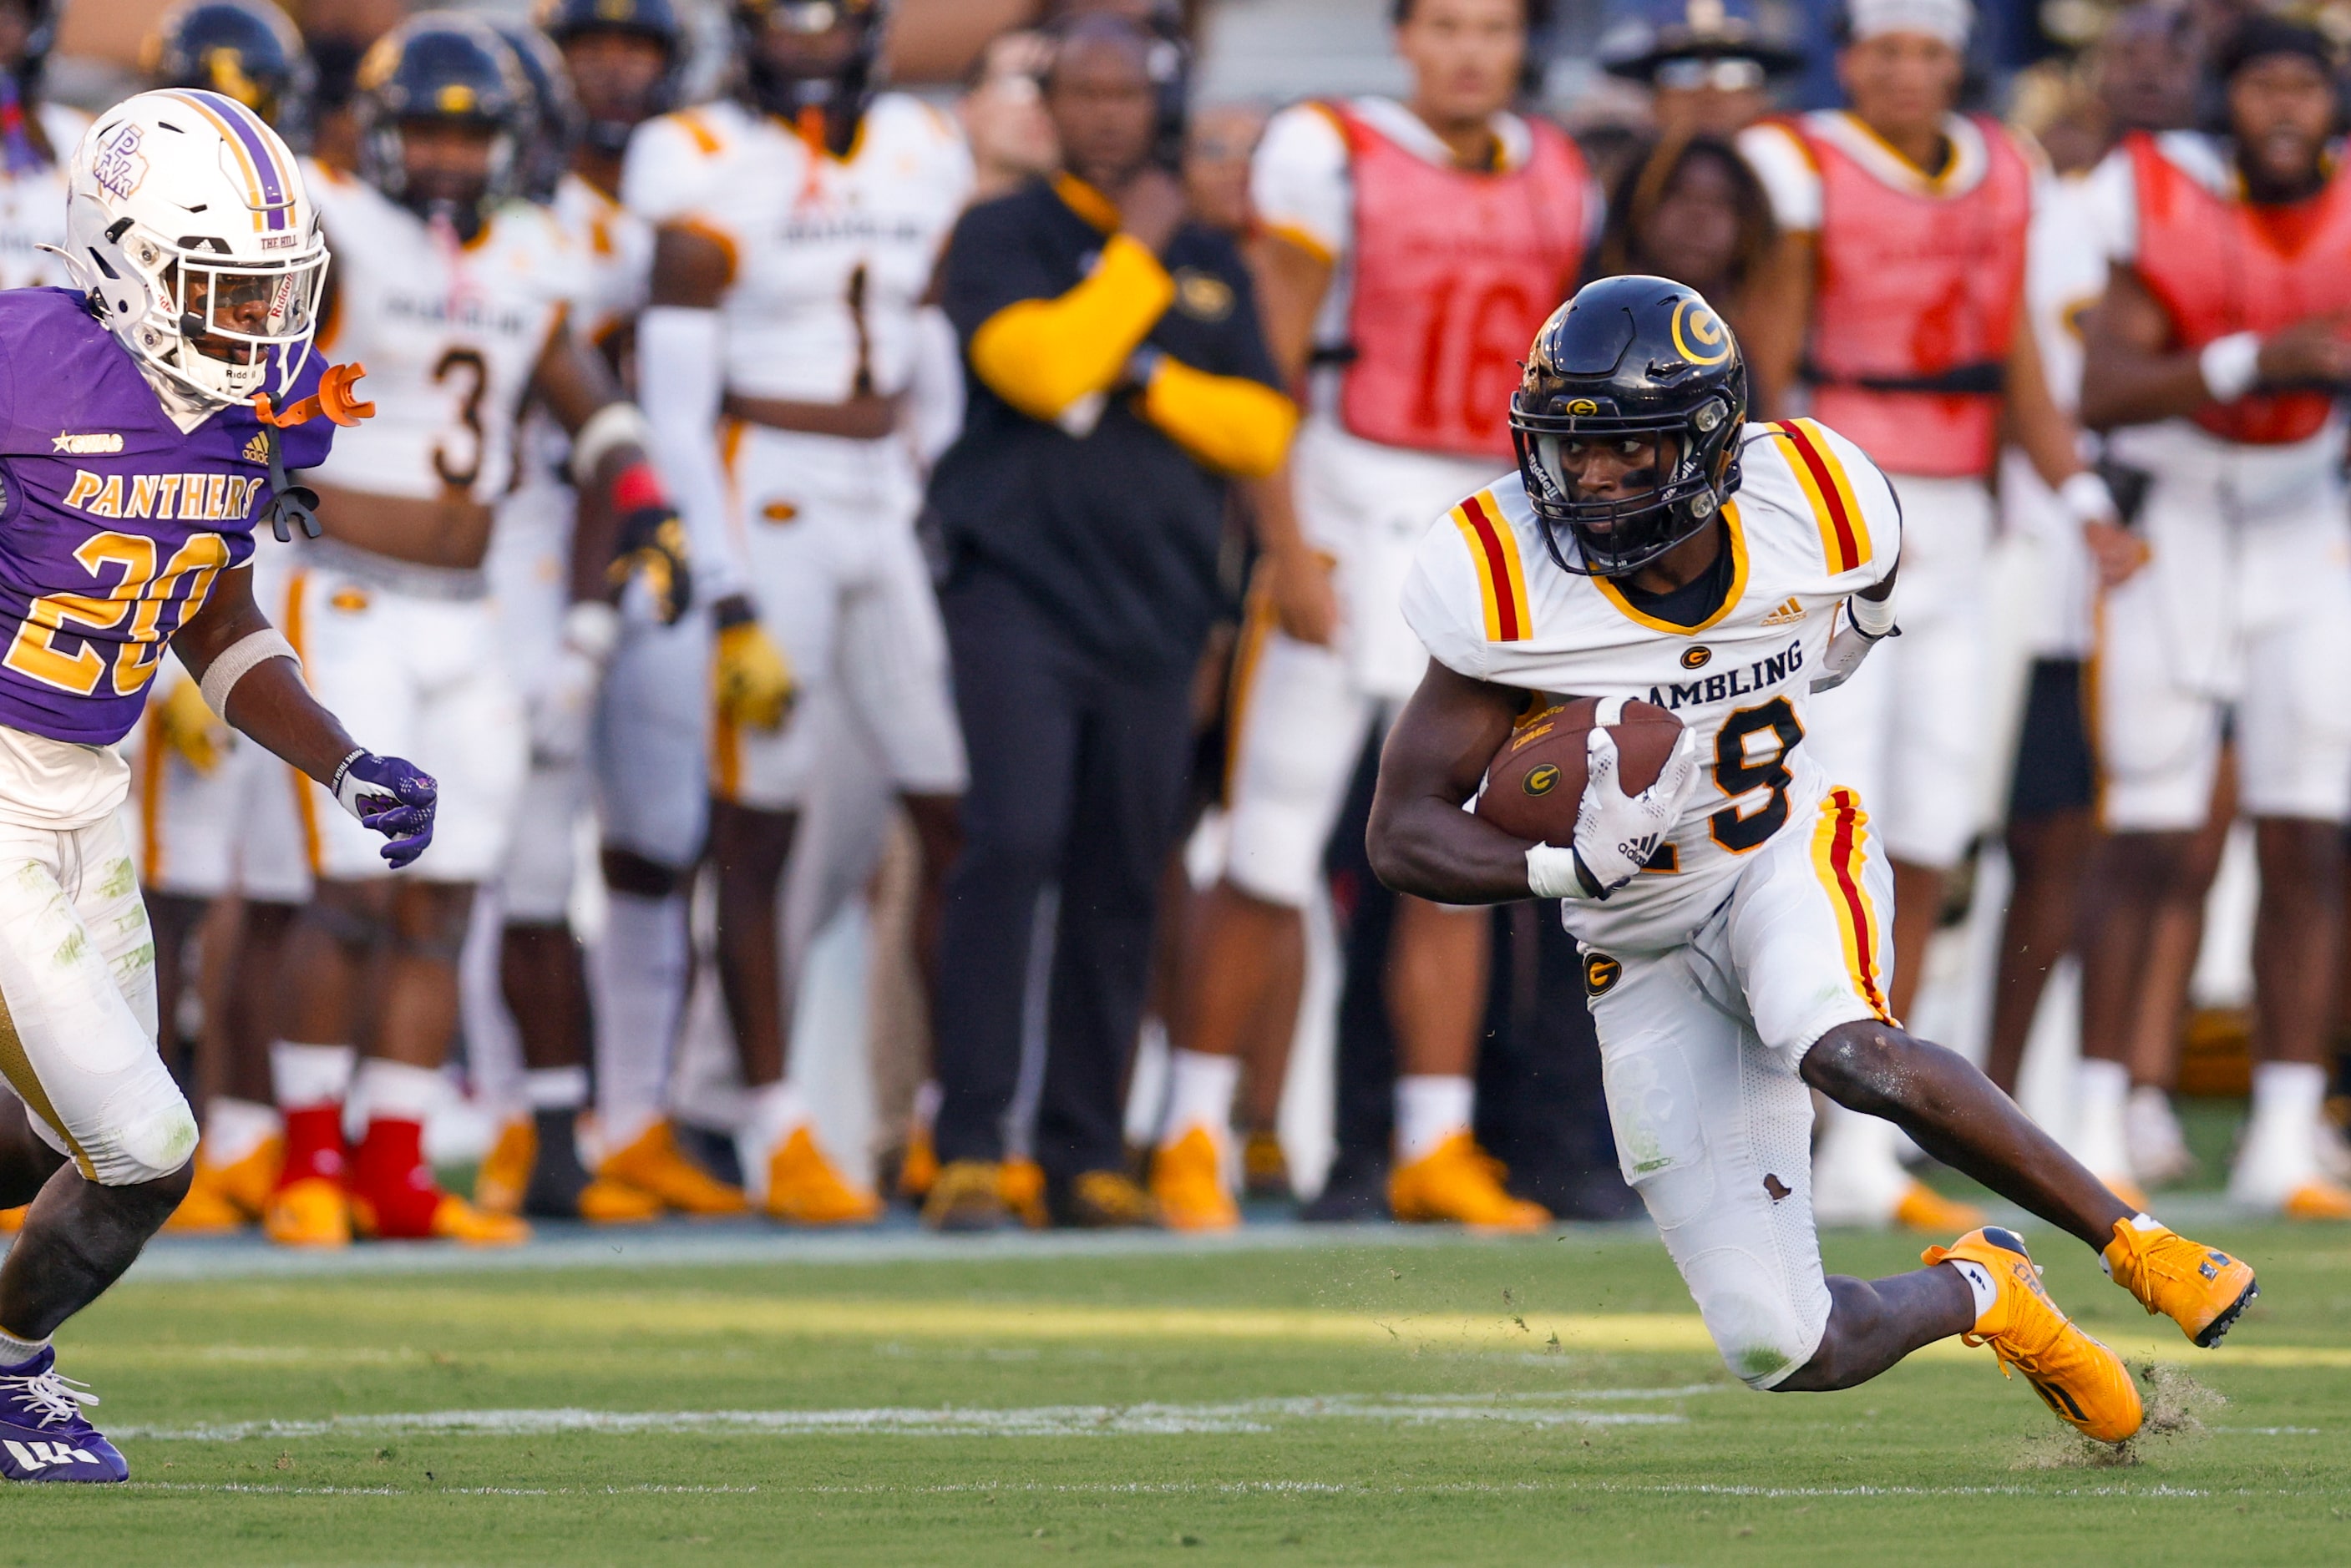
x: 555, y: 119
x: 564, y: 20
x: 444, y: 66
x: 773, y: 91
x: 244, y: 49
x: 1631, y: 357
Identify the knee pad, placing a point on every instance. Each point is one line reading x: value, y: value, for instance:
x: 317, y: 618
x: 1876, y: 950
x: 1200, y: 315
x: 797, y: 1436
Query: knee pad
x: 1761, y: 1332
x: 143, y: 1132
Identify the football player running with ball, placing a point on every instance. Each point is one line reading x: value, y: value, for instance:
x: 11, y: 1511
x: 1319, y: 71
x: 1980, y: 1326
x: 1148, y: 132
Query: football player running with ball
x: 148, y: 417
x: 1733, y: 914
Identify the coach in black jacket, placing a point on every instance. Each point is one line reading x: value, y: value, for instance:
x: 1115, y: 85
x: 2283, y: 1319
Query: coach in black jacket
x: 1116, y: 378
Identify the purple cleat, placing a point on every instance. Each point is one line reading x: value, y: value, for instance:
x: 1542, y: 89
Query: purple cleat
x: 43, y: 1437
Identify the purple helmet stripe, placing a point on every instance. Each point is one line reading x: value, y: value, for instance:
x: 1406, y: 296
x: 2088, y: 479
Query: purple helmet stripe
x: 272, y: 201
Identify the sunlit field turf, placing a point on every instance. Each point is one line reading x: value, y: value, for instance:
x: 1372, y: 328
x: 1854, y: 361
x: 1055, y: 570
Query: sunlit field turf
x: 1360, y: 1401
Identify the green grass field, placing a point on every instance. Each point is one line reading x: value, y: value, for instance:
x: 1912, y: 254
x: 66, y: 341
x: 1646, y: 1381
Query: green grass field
x: 1363, y: 1400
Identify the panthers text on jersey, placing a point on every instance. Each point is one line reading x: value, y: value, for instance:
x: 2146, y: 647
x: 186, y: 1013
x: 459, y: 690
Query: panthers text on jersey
x: 833, y: 256
x: 115, y: 523
x: 451, y: 334
x: 1813, y: 521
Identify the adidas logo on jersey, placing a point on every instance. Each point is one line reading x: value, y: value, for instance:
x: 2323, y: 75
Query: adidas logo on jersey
x: 39, y: 1456
x: 257, y: 449
x: 1786, y: 615
x: 87, y: 445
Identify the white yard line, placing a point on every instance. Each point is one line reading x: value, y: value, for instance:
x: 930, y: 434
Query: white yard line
x: 1536, y: 1410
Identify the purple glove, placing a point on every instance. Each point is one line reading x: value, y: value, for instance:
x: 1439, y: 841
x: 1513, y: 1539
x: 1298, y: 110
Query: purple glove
x: 392, y: 797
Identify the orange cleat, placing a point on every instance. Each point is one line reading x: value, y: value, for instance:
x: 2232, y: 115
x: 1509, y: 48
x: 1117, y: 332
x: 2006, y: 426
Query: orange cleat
x: 505, y: 1174
x: 1456, y: 1181
x: 454, y: 1219
x: 1187, y: 1178
x: 804, y: 1187
x: 654, y: 1164
x: 603, y: 1203
x: 2319, y: 1199
x: 309, y: 1211
x: 1924, y: 1208
x: 1020, y: 1187
x: 13, y: 1220
x: 2082, y: 1381
x: 248, y: 1182
x: 967, y: 1196
x: 2198, y: 1288
x: 920, y: 1168
x: 207, y: 1210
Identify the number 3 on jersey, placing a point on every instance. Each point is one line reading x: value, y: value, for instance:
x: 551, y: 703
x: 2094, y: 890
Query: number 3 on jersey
x: 1750, y: 754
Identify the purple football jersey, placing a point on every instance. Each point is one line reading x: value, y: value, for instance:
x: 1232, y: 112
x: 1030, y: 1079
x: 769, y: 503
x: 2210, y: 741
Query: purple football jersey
x: 116, y: 522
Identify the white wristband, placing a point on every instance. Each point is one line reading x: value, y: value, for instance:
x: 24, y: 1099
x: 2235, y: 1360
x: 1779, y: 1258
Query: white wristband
x: 238, y: 661
x: 1551, y: 872
x: 592, y: 627
x: 614, y: 424
x: 2230, y: 366
x: 1871, y: 618
x: 2085, y: 495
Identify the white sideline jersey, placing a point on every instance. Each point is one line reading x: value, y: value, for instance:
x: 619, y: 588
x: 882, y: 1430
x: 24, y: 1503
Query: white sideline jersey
x: 32, y: 208
x: 833, y: 256
x: 450, y: 335
x: 616, y: 248
x: 1813, y: 521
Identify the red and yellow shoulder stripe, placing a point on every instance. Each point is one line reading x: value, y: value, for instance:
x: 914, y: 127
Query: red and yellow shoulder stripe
x: 1501, y: 579
x: 1844, y: 532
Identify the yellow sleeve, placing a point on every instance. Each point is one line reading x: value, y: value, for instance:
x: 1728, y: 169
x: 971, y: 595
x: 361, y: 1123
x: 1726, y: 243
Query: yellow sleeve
x: 1042, y: 355
x: 1229, y: 423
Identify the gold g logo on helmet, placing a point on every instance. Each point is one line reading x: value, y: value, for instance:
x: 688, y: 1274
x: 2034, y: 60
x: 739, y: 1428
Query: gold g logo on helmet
x: 1699, y: 335
x: 1583, y: 408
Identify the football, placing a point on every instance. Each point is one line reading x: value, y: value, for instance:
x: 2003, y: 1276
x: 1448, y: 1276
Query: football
x: 1536, y: 781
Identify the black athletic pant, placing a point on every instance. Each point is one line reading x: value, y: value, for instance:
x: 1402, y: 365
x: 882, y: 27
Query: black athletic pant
x: 1078, y: 777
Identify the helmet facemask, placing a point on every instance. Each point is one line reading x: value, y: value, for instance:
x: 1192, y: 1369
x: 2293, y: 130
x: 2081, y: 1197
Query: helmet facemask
x: 1618, y: 534
x: 216, y: 325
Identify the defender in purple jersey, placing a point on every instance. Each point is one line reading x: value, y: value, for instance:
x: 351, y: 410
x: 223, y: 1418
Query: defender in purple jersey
x: 133, y: 467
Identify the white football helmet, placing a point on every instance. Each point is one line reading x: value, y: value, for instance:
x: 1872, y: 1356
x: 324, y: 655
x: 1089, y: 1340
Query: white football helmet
x: 187, y: 220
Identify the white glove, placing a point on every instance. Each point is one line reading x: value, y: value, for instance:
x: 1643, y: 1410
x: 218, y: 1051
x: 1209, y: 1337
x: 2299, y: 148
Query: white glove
x: 1867, y: 623
x: 1616, y: 833
x: 563, y: 705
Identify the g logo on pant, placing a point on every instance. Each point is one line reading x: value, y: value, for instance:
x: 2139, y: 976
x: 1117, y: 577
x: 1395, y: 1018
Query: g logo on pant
x: 1601, y: 974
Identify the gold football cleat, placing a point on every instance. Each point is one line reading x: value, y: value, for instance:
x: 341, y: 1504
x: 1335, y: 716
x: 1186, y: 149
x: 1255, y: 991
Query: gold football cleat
x: 1458, y: 1181
x: 804, y: 1187
x: 2082, y: 1381
x: 653, y: 1164
x: 505, y: 1174
x: 207, y: 1210
x: 454, y: 1219
x: 1187, y: 1179
x: 310, y: 1212
x: 968, y: 1195
x: 2200, y: 1289
x: 1922, y: 1208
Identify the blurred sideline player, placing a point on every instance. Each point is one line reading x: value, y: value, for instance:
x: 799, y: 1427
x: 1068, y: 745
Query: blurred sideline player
x: 644, y: 758
x: 796, y: 229
x: 131, y: 416
x: 1707, y: 64
x: 2212, y: 361
x: 1731, y: 914
x: 1410, y: 249
x: 457, y: 294
x: 1898, y: 296
x: 2142, y: 77
x: 215, y: 812
x: 35, y: 137
x: 523, y: 983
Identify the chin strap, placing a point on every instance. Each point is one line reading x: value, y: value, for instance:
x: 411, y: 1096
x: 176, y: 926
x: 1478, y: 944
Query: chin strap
x: 290, y: 502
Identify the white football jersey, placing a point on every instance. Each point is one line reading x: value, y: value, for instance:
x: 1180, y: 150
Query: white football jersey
x: 1813, y: 521
x: 450, y: 335
x: 833, y: 256
x: 32, y: 208
x: 617, y: 248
